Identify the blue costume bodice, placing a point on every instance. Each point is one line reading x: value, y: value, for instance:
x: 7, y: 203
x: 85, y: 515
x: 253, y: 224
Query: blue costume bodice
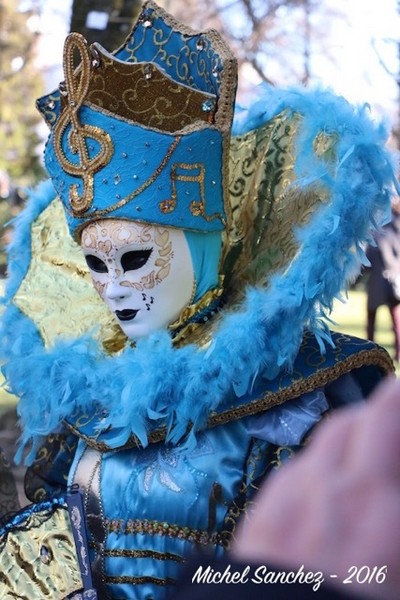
x: 147, y: 509
x: 159, y: 503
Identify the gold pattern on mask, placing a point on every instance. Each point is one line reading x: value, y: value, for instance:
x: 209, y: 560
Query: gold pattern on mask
x: 99, y: 287
x: 149, y: 281
x: 76, y: 90
x: 107, y: 234
x: 57, y: 292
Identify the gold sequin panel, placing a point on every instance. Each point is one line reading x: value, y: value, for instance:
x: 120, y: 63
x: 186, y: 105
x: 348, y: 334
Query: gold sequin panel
x: 57, y: 293
x: 38, y: 559
x: 267, y: 202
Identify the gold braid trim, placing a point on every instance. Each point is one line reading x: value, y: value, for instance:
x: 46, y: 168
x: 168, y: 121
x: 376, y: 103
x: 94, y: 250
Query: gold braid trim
x: 122, y: 552
x: 162, y: 528
x: 189, y: 311
x: 138, y: 580
x: 377, y: 357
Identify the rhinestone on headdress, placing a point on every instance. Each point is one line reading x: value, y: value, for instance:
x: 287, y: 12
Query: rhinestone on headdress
x: 207, y: 106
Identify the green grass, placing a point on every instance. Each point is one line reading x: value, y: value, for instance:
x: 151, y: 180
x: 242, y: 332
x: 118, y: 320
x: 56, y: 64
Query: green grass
x: 350, y: 317
x: 6, y: 400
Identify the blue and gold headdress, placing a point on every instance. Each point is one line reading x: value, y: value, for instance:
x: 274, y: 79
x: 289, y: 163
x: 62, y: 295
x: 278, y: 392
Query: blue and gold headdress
x: 143, y: 133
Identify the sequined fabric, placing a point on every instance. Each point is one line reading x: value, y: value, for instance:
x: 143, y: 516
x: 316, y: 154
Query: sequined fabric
x: 38, y: 557
x: 267, y: 203
x: 57, y: 292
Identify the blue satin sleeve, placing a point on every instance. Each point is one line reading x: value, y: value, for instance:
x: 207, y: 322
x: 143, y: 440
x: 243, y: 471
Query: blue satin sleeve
x: 287, y: 424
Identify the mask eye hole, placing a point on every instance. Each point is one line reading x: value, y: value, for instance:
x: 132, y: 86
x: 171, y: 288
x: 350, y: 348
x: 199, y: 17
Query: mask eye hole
x: 135, y: 259
x: 96, y: 264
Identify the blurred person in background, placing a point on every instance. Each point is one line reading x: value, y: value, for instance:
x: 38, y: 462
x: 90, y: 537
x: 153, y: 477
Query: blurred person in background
x: 383, y: 283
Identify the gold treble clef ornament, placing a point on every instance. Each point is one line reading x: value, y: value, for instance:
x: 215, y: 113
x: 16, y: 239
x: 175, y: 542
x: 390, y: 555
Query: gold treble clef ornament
x: 76, y: 86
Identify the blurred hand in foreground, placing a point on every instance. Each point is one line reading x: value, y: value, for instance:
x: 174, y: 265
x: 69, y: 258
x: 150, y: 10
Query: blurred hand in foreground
x: 337, y: 504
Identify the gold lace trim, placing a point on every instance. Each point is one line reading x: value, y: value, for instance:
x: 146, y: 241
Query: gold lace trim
x: 378, y: 357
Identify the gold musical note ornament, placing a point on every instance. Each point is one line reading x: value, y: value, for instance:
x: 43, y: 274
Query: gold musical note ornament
x: 75, y: 90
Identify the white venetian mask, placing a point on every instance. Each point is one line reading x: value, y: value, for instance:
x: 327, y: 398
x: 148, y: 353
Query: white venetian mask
x: 143, y: 272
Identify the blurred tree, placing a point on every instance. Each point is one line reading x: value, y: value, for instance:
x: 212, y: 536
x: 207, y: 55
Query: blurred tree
x: 105, y: 21
x: 275, y: 41
x: 380, y: 45
x: 20, y: 81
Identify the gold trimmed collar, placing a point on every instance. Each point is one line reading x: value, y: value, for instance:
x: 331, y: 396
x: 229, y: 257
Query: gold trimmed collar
x: 196, y: 315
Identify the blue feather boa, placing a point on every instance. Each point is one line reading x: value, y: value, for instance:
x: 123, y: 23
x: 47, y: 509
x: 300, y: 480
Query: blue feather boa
x: 156, y: 383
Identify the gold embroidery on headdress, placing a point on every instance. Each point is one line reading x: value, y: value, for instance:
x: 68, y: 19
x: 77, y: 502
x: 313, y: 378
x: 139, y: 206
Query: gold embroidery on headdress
x: 146, y: 184
x: 142, y: 93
